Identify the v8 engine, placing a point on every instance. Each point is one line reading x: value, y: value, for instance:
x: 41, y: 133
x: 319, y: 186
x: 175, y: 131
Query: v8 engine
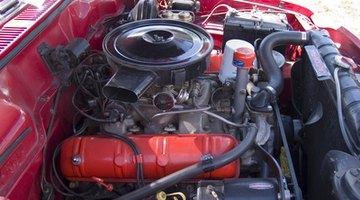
x: 159, y: 110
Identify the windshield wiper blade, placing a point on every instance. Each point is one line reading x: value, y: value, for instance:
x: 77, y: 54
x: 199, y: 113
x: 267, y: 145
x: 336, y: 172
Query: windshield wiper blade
x: 7, y: 5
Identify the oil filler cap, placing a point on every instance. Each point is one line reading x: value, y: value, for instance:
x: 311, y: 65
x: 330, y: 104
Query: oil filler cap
x: 244, y: 58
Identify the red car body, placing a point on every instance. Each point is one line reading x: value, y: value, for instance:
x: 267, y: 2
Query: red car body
x: 28, y: 88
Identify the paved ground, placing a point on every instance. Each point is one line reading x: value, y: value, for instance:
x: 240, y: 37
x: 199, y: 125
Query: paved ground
x: 335, y: 12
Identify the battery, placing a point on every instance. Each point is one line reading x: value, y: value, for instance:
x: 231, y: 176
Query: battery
x: 250, y: 26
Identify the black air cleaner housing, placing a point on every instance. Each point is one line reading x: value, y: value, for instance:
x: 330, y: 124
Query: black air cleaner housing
x: 173, y: 50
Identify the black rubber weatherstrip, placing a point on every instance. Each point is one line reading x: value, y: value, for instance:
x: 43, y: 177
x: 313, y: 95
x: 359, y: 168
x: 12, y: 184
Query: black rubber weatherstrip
x: 23, y: 43
x: 13, y: 145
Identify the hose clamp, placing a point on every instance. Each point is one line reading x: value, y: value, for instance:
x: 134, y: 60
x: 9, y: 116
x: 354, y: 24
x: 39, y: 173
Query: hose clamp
x: 304, y: 36
x: 207, y: 163
x: 344, y: 62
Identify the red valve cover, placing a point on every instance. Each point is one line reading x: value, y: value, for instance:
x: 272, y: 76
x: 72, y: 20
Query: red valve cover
x: 113, y: 160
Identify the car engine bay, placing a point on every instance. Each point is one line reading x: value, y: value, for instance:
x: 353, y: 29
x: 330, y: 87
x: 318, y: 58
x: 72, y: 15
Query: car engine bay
x: 234, y: 104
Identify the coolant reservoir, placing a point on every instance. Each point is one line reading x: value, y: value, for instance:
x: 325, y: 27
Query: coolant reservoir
x: 113, y: 160
x: 228, y: 71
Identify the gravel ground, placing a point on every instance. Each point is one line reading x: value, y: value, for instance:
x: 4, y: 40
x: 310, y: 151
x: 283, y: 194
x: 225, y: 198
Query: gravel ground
x: 334, y: 13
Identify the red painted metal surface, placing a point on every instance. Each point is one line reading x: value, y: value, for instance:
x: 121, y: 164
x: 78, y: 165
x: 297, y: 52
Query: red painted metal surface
x: 215, y: 62
x: 27, y: 88
x: 12, y: 32
x: 113, y: 160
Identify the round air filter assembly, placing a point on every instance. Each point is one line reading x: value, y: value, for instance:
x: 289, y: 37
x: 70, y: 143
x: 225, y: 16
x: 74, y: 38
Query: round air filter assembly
x: 173, y: 50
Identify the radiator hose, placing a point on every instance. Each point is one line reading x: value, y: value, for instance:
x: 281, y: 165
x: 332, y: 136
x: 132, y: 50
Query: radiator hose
x: 271, y: 69
x: 194, y: 170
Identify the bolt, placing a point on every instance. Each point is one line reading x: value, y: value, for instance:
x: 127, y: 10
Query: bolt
x: 73, y: 185
x: 184, y: 15
x: 76, y: 160
x: 167, y: 14
x: 189, y: 188
x: 206, y: 128
x: 134, y: 129
x: 354, y: 172
x: 170, y: 128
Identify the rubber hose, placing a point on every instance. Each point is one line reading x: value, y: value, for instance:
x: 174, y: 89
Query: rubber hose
x: 268, y: 63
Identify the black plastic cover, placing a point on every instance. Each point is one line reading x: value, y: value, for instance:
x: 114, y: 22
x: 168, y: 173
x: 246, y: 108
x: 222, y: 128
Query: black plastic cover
x: 159, y: 45
x: 128, y: 85
x: 175, y: 50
